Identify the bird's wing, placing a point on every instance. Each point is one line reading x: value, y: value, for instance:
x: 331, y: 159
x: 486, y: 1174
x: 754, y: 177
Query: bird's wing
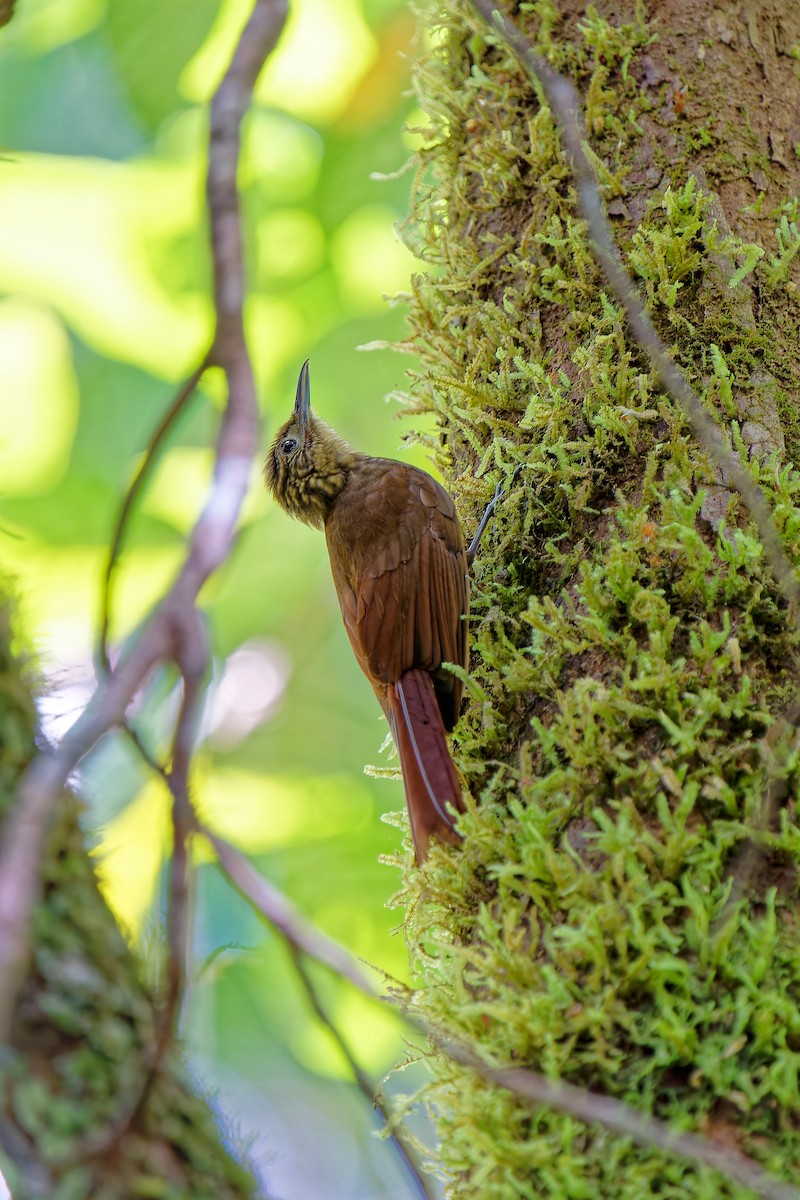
x: 400, y: 570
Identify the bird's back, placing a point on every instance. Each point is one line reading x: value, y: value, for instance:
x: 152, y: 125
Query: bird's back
x: 400, y: 570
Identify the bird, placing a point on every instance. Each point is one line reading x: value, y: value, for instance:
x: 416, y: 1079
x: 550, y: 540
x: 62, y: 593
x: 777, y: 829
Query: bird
x: 400, y: 570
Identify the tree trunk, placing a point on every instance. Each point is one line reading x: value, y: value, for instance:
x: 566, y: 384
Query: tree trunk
x: 623, y: 914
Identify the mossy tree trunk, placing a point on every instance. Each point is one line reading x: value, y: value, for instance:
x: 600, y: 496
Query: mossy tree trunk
x: 603, y: 922
x: 76, y: 1117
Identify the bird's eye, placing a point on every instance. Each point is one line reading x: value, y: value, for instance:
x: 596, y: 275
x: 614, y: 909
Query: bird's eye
x: 288, y: 445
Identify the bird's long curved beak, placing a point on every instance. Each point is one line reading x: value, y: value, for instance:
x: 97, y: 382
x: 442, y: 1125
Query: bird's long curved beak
x: 302, y: 400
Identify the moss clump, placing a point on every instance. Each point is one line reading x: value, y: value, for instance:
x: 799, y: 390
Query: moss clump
x: 630, y: 649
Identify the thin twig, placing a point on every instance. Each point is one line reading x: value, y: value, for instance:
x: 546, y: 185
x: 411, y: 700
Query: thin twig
x: 564, y: 103
x: 590, y: 1107
x: 402, y: 1145
x: 141, y: 477
x: 304, y: 938
x: 192, y: 664
x: 192, y: 658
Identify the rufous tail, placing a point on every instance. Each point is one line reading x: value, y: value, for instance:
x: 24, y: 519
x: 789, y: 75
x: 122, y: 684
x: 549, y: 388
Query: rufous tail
x: 431, y: 781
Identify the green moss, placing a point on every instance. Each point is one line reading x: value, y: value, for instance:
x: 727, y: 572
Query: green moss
x: 787, y: 237
x: 629, y: 651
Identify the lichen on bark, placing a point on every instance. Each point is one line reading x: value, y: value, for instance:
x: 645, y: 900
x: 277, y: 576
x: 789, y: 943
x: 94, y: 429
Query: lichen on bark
x: 631, y: 654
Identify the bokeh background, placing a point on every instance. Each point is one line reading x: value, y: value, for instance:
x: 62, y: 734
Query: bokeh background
x: 104, y: 308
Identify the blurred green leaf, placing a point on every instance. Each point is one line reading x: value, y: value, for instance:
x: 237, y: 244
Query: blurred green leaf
x: 151, y: 42
x: 66, y: 102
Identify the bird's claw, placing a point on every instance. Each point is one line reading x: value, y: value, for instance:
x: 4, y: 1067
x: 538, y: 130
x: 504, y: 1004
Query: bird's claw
x: 500, y: 493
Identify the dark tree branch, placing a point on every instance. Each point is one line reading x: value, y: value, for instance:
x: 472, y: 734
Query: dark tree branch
x: 138, y: 483
x: 193, y: 661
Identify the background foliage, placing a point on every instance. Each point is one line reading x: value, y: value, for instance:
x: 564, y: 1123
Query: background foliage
x: 104, y: 278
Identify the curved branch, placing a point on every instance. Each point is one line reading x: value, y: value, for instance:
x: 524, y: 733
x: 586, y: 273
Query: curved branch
x: 279, y: 911
x: 141, y: 477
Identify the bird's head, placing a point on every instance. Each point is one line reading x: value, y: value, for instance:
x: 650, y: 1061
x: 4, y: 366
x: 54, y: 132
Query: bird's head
x: 308, y: 463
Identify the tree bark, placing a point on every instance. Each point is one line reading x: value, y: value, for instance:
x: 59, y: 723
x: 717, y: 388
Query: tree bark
x: 623, y: 914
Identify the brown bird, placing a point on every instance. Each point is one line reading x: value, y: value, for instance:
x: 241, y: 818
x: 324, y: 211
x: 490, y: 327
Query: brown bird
x: 399, y: 566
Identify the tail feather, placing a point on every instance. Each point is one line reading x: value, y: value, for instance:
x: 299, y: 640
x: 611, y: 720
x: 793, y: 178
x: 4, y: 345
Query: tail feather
x: 430, y: 780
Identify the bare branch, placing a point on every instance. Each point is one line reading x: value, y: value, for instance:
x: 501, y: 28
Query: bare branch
x: 564, y: 103
x: 26, y: 827
x: 622, y: 1119
x: 193, y: 661
x: 228, y: 108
